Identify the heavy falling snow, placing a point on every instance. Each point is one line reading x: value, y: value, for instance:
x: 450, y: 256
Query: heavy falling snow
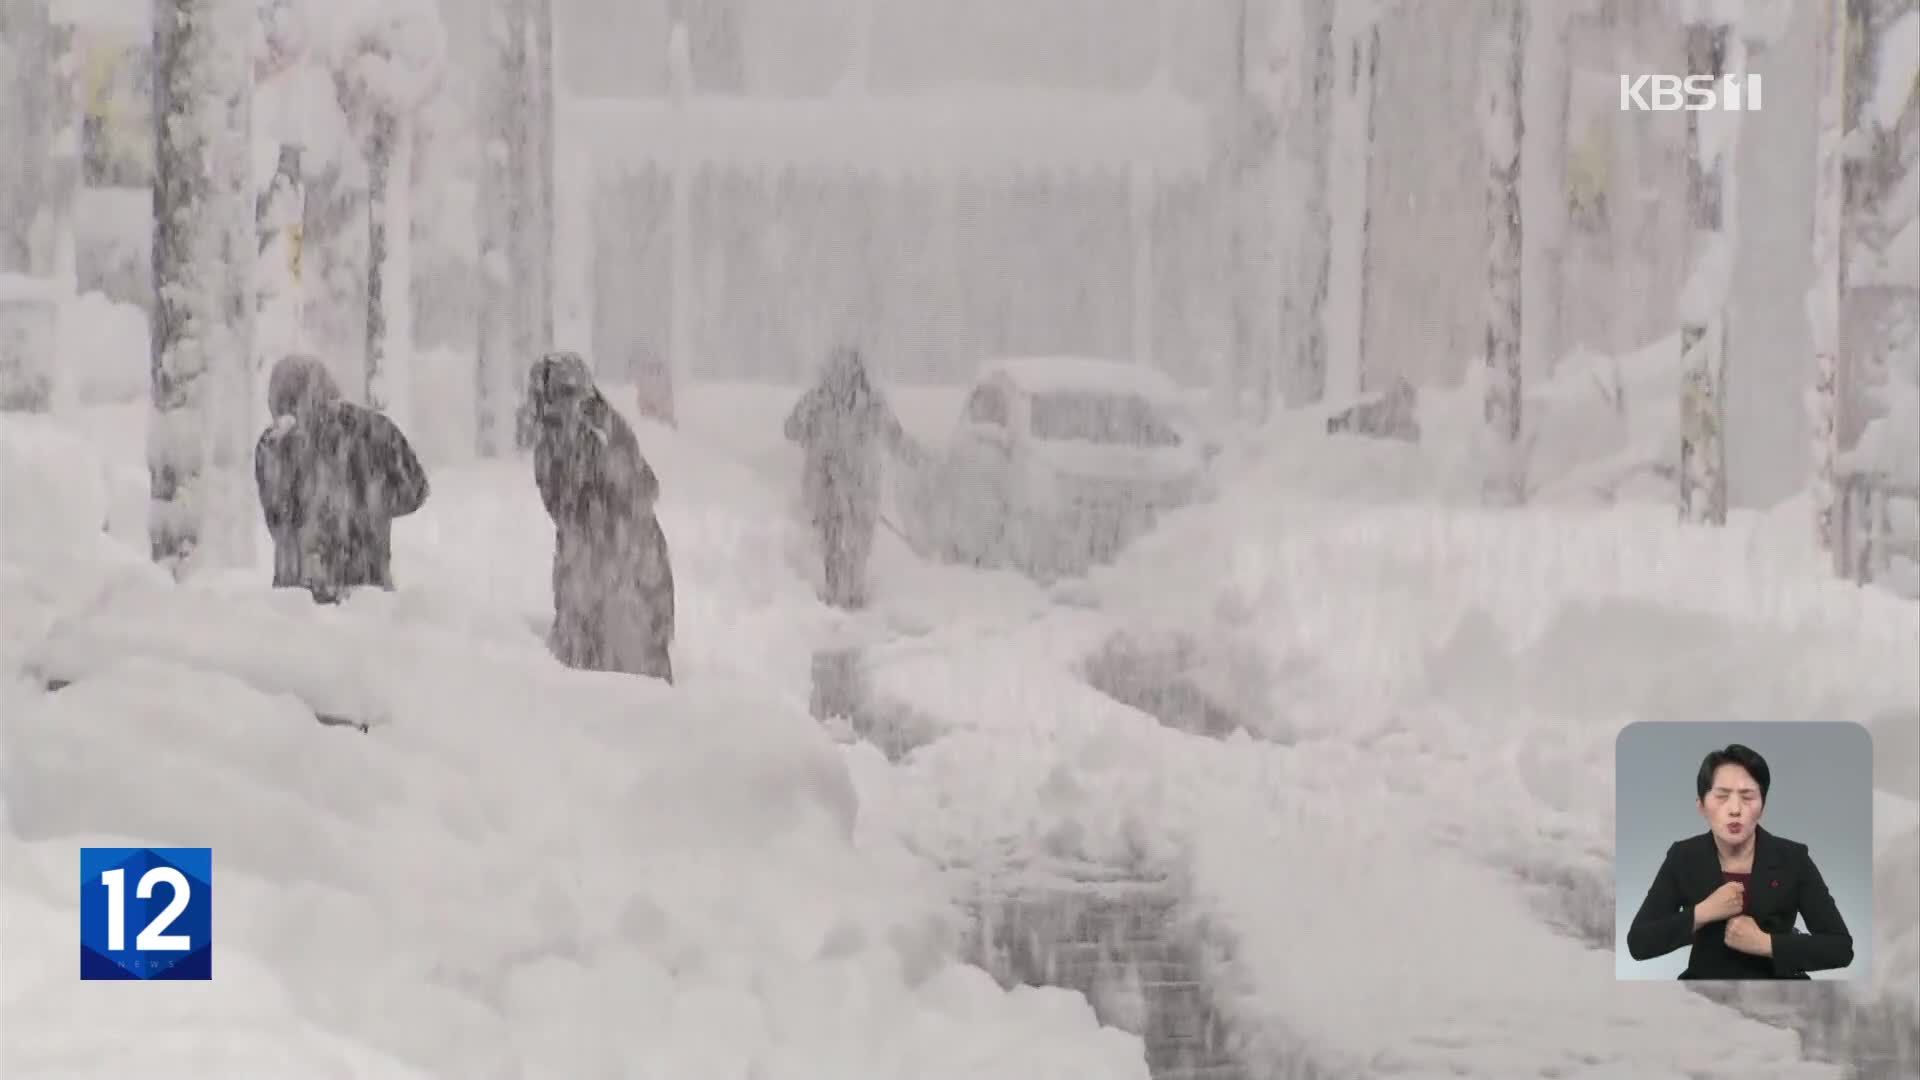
x: 924, y: 539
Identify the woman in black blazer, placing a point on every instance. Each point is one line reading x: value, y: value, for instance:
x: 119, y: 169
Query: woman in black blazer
x: 1734, y: 892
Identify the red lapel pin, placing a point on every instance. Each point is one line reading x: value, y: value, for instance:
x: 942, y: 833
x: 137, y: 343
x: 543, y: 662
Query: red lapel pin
x: 1775, y: 885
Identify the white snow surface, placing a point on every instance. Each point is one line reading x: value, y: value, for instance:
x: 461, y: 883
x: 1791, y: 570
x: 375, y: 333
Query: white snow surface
x: 525, y: 870
x: 298, y: 106
x: 1887, y: 446
x: 1703, y: 298
x: 1898, y: 67
x: 1047, y: 374
x: 103, y: 346
x: 1436, y: 694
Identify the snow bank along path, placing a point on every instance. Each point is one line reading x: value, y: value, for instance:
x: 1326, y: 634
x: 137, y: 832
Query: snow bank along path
x: 1452, y: 683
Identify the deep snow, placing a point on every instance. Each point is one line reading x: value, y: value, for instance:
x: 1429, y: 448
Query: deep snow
x: 527, y: 870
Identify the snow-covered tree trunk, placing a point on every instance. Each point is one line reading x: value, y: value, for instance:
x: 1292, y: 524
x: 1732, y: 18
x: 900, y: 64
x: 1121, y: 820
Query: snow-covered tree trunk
x: 1823, y: 296
x: 1141, y: 192
x: 1502, y: 130
x: 26, y: 74
x: 199, y: 439
x: 1547, y: 85
x: 333, y: 259
x: 1305, y: 378
x: 63, y: 157
x: 389, y: 154
x: 1356, y: 48
x: 523, y: 206
x: 63, y: 194
x: 387, y: 77
x: 858, y: 74
x: 495, y: 386
x: 1250, y: 154
x: 545, y: 90
x: 680, y: 223
x: 39, y: 178
x: 1703, y: 303
x: 279, y: 318
x: 1880, y: 348
x: 498, y: 361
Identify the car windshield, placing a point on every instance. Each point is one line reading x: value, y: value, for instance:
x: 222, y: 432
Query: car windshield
x: 1110, y: 419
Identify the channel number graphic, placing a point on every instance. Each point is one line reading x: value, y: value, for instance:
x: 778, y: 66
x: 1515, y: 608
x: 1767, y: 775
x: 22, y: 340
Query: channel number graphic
x: 146, y: 913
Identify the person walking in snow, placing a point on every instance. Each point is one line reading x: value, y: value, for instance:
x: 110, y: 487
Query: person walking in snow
x: 842, y: 423
x: 332, y: 476
x: 612, y: 577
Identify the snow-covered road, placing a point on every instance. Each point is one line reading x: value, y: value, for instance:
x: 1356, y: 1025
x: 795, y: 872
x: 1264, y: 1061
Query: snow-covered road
x: 696, y: 881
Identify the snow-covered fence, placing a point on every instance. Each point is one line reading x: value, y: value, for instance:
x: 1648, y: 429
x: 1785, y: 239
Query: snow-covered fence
x: 1872, y: 526
x: 28, y: 307
x: 1116, y: 935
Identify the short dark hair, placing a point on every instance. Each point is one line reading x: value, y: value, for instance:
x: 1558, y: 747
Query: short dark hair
x: 1734, y: 754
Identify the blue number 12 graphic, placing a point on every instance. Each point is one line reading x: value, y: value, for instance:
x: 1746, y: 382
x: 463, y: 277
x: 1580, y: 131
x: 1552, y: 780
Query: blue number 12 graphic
x: 165, y: 894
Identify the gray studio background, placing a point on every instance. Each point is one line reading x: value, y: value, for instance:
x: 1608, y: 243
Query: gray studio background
x: 1822, y: 796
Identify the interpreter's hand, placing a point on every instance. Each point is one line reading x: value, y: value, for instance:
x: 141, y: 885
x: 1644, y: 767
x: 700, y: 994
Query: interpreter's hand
x: 1725, y: 902
x: 1744, y: 935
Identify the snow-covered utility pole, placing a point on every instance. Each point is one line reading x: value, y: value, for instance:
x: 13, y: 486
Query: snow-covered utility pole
x: 199, y: 439
x: 1823, y: 296
x: 1713, y: 49
x: 1501, y: 130
x: 1356, y: 50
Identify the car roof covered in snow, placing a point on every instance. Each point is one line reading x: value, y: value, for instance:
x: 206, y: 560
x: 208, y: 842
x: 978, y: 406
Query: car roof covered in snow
x: 1048, y: 374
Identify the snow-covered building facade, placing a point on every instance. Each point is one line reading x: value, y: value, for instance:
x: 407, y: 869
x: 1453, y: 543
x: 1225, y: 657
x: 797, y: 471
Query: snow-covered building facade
x: 744, y: 214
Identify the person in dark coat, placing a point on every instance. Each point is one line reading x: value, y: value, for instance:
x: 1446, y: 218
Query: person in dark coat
x: 612, y: 576
x: 842, y: 424
x: 332, y: 476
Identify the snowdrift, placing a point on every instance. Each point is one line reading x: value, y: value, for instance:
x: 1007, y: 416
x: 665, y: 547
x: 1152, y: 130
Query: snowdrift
x: 1430, y: 691
x: 1495, y: 655
x: 1597, y: 432
x: 518, y: 870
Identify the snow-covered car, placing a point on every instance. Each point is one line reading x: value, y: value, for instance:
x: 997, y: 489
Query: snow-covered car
x: 1056, y: 463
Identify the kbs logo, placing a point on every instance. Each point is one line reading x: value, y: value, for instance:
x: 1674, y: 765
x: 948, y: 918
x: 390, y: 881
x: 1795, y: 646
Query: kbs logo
x: 1692, y: 93
x: 146, y: 913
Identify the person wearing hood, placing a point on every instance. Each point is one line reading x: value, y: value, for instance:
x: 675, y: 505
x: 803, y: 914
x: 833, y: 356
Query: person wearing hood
x: 613, y: 605
x: 842, y: 423
x: 332, y: 476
